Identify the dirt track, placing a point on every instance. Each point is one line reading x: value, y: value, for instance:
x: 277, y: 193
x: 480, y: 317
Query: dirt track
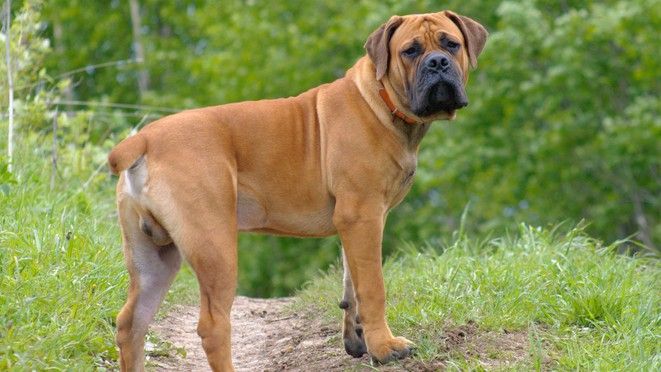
x: 268, y: 337
x: 265, y: 337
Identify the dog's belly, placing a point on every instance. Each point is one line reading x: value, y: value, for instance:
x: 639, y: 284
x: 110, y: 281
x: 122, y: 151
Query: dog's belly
x: 312, y: 221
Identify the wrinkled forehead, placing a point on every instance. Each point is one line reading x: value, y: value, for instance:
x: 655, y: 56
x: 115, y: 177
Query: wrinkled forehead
x: 425, y: 28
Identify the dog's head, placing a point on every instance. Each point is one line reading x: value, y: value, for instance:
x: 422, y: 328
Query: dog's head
x: 426, y: 58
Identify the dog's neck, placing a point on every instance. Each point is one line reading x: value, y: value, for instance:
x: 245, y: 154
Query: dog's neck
x: 413, y: 132
x: 369, y: 87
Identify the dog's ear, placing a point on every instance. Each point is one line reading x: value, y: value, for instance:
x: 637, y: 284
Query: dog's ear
x: 377, y: 45
x: 475, y: 35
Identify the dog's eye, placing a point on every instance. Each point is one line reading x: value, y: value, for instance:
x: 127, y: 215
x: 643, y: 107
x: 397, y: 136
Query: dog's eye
x: 411, y: 51
x: 450, y: 45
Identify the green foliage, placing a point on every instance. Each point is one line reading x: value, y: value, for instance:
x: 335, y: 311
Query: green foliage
x: 589, y: 307
x: 28, y: 51
x: 204, y: 53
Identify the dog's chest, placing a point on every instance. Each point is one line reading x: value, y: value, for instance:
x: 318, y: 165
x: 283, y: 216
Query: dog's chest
x: 401, y: 184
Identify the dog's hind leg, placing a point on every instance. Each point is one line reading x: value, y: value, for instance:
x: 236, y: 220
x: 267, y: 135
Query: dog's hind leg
x: 213, y: 258
x: 207, y: 238
x: 352, y: 331
x: 151, y: 269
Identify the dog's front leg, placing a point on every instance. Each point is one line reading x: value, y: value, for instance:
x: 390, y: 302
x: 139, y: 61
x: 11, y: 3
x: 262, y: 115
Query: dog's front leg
x: 352, y: 331
x: 360, y: 226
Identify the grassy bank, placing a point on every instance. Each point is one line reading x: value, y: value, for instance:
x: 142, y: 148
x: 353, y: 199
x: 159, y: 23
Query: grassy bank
x: 535, y: 301
x: 62, y: 276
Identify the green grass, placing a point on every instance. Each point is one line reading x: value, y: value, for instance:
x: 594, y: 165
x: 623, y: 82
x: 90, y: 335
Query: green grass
x: 62, y: 275
x: 581, y: 305
x: 61, y: 278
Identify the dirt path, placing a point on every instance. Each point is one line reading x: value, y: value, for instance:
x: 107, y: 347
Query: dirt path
x: 268, y: 337
x: 265, y: 337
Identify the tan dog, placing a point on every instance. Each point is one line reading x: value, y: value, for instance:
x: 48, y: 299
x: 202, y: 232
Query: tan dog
x: 333, y: 160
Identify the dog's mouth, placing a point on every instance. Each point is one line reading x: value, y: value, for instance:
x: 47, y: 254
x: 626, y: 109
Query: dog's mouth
x: 448, y: 96
x: 441, y: 96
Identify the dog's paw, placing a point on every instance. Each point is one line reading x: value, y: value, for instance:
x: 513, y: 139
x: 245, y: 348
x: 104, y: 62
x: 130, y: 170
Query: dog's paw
x: 354, y: 343
x: 391, y: 349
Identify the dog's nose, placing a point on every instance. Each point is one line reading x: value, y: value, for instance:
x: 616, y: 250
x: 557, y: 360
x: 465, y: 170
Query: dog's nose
x: 437, y: 62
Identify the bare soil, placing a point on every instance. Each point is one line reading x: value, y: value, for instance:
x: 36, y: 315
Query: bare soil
x: 268, y: 336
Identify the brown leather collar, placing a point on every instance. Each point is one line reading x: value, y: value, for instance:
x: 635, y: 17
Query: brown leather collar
x: 393, y: 109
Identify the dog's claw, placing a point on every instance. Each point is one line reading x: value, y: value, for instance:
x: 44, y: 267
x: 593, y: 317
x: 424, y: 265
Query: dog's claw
x: 401, y: 351
x: 395, y: 355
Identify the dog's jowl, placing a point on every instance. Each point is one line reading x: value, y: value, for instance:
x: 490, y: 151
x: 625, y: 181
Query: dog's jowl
x: 333, y: 160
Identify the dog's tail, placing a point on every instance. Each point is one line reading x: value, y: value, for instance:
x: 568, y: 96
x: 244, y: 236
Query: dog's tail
x: 126, y: 153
